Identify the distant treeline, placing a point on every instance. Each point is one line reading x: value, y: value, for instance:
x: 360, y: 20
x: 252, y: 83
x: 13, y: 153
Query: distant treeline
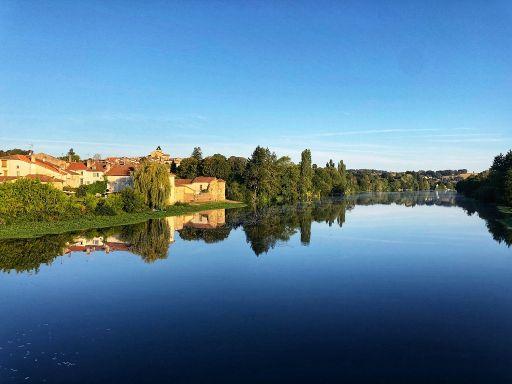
x: 264, y: 178
x: 14, y: 151
x: 494, y: 185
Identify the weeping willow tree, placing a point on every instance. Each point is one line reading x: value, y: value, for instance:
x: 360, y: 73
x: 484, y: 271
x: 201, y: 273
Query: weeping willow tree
x: 149, y: 240
x: 152, y: 181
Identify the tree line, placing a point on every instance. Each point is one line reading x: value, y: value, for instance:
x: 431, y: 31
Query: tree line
x: 264, y: 178
x: 493, y: 185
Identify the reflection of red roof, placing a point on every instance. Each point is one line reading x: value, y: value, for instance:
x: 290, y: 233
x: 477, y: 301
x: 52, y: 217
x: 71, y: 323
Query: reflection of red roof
x: 204, y: 179
x: 183, y: 181
x: 77, y: 248
x: 120, y: 170
x: 117, y: 246
x: 77, y: 167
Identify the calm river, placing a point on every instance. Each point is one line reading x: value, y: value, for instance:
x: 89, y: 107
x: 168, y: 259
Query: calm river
x: 381, y: 288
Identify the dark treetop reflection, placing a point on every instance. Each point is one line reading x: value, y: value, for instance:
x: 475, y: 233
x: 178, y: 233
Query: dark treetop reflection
x: 263, y: 228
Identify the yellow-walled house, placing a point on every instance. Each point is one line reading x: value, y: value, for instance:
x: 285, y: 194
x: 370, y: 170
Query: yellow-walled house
x: 200, y: 189
x: 119, y: 177
x: 21, y: 166
x: 81, y: 175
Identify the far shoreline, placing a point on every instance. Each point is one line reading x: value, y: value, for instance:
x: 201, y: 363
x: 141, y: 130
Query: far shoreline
x: 38, y: 229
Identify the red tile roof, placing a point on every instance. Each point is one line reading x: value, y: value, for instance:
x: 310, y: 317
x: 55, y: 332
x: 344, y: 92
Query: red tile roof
x: 44, y: 178
x: 119, y: 170
x: 182, y: 181
x: 76, y: 167
x: 17, y: 157
x: 204, y: 179
x: 38, y: 162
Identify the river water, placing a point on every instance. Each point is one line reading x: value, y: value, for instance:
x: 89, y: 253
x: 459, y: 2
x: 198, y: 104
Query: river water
x: 381, y: 288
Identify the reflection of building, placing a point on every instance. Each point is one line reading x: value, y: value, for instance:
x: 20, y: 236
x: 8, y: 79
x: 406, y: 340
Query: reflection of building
x: 201, y: 220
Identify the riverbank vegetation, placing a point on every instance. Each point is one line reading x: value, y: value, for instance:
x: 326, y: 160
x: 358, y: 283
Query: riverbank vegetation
x: 90, y: 221
x: 264, y: 178
x: 494, y: 185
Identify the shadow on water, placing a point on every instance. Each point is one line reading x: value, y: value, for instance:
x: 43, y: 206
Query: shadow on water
x: 263, y: 228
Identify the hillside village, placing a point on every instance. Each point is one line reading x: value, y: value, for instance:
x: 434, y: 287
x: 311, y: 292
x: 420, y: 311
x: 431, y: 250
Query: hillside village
x: 68, y: 175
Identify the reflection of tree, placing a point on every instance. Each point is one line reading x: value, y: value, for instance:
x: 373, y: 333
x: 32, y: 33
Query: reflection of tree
x: 25, y: 255
x: 267, y: 227
x: 263, y: 228
x: 305, y: 226
x: 208, y: 235
x: 494, y: 220
x: 150, y: 239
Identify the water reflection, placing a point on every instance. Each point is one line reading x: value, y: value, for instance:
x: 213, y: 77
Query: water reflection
x: 263, y: 229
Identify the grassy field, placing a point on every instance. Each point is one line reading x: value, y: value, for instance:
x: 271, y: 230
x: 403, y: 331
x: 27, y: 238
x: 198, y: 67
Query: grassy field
x: 36, y: 229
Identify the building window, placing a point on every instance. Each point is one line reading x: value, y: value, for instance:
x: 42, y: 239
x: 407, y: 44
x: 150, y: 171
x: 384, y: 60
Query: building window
x: 4, y: 163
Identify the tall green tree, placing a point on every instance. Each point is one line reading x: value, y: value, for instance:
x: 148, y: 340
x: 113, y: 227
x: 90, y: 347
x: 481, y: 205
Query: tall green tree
x: 70, y: 156
x: 507, y: 193
x: 151, y: 180
x: 189, y: 168
x: 306, y: 176
x: 197, y: 154
x: 259, y: 176
x: 217, y: 166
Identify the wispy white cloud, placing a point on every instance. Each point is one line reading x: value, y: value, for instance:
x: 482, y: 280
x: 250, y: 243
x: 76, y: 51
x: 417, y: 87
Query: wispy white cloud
x: 361, y: 132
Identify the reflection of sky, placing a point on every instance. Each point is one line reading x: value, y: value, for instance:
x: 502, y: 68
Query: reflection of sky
x: 391, y: 286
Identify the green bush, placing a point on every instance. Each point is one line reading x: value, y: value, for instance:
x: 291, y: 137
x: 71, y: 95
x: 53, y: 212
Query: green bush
x: 29, y: 200
x: 133, y: 201
x: 91, y: 202
x: 94, y: 188
x: 111, y: 206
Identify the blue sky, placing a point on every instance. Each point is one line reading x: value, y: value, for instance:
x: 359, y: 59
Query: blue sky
x: 381, y: 84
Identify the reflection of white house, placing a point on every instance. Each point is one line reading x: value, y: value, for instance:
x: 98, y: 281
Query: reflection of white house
x: 119, y: 177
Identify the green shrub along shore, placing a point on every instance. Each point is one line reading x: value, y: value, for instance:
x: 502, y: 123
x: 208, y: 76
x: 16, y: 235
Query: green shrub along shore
x: 40, y: 228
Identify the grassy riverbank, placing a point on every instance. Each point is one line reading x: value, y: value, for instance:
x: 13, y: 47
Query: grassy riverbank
x: 36, y: 229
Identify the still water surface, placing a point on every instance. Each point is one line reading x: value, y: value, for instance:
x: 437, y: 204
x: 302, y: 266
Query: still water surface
x: 411, y: 287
